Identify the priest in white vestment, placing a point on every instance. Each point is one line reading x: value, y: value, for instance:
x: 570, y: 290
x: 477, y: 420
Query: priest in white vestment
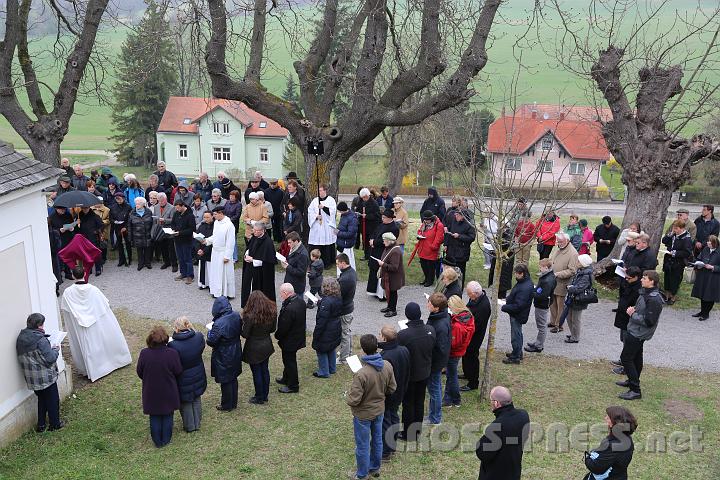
x: 97, y: 344
x: 323, y: 231
x: 222, y: 269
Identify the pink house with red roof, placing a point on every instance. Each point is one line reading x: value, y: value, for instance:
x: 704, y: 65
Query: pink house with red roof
x: 212, y: 135
x: 550, y: 144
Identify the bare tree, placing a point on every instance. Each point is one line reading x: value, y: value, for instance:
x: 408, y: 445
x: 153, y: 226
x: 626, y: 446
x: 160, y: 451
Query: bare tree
x: 638, y: 65
x: 372, y: 28
x: 46, y: 130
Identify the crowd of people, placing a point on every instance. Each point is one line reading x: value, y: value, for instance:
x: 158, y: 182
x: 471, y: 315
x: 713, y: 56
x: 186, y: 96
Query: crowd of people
x: 187, y: 225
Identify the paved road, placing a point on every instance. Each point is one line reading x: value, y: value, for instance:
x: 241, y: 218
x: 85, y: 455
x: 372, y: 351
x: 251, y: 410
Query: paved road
x: 680, y: 342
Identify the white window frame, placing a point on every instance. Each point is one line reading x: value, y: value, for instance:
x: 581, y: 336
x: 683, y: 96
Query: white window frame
x: 183, y: 147
x: 222, y: 154
x: 267, y: 154
x: 544, y: 165
x: 575, y: 171
x: 513, y: 163
x: 543, y: 146
x: 263, y: 124
x: 221, y: 130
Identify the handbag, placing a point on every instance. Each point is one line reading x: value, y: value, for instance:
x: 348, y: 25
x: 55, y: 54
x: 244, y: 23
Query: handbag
x: 690, y: 274
x: 589, y: 295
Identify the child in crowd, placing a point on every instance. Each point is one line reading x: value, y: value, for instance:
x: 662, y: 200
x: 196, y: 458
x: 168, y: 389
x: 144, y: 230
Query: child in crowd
x: 315, y: 275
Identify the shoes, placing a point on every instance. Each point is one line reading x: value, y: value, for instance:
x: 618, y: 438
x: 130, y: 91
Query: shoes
x: 256, y: 401
x: 630, y: 395
x: 148, y: 266
x: 56, y: 427
x: 569, y: 340
x: 188, y: 280
x: 280, y: 381
x: 128, y: 263
x: 618, y: 371
x: 568, y: 336
x: 374, y: 473
x: 140, y: 267
x: 554, y: 330
x: 532, y: 348
x: 391, y: 313
x: 617, y: 363
x: 288, y: 390
x: 467, y: 388
x: 384, y: 310
x: 623, y: 383
x: 179, y: 278
x: 697, y: 315
x: 670, y: 301
x: 317, y: 375
x: 221, y: 409
x: 511, y: 361
x: 447, y: 404
x: 387, y: 457
x: 702, y: 319
x: 164, y: 266
x: 98, y: 272
x: 40, y: 429
x: 121, y: 264
x: 174, y: 268
x: 508, y: 354
x: 461, y: 376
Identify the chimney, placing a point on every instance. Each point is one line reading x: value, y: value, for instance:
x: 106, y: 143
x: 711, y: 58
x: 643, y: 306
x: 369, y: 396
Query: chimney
x: 533, y: 114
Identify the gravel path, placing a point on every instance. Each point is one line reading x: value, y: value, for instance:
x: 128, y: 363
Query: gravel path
x: 680, y: 342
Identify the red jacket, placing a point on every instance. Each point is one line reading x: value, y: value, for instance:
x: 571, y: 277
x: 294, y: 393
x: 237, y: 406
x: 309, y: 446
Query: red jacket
x: 463, y: 327
x: 525, y: 231
x: 546, y: 230
x: 429, y: 247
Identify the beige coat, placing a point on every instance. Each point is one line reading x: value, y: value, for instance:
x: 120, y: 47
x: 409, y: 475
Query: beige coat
x: 564, y: 263
x: 254, y: 212
x: 368, y: 390
x: 403, y: 220
x: 104, y: 213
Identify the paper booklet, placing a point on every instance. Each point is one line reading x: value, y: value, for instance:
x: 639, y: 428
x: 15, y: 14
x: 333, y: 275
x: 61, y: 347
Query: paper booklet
x: 427, y: 297
x: 620, y: 271
x: 311, y: 297
x: 699, y: 264
x: 402, y: 324
x: 376, y: 259
x: 119, y: 222
x: 56, y: 337
x: 663, y: 251
x: 70, y: 226
x: 501, y: 301
x: 421, y: 237
x: 617, y: 261
x: 281, y: 258
x: 209, y: 325
x: 198, y: 236
x: 169, y: 231
x: 354, y: 363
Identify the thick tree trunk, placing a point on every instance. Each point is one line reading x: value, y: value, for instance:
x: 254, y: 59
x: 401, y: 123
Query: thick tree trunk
x: 397, y: 164
x: 46, y: 152
x: 328, y: 171
x: 649, y: 208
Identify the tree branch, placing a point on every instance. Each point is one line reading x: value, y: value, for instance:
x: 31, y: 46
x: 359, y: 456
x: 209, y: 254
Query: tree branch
x: 257, y: 43
x: 371, y: 56
x: 31, y: 83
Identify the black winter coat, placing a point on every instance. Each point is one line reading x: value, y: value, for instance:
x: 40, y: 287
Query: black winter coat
x: 544, y: 290
x: 192, y: 382
x: 458, y: 249
x: 629, y: 293
x: 519, y: 300
x: 258, y: 344
x: 378, y: 245
x: 139, y: 228
x: 207, y: 230
x: 453, y: 289
x: 440, y: 321
x: 705, y: 229
x: 293, y: 223
x: 682, y: 245
x: 434, y: 203
x: 372, y: 216
x: 348, y: 284
x: 328, y: 331
x: 399, y: 358
x: 166, y: 182
x: 119, y: 213
x: 481, y: 311
x: 57, y: 221
x: 184, y: 224
x: 275, y: 197
x: 224, y: 338
x: 91, y: 226
x: 504, y: 461
x: 603, y: 233
x: 347, y: 230
x: 644, y: 260
x: 419, y: 339
x: 296, y: 271
x: 612, y: 457
x: 707, y: 282
x: 291, y: 324
x: 582, y: 280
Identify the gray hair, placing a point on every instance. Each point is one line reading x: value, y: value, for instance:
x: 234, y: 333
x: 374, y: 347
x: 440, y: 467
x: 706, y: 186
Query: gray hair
x: 140, y: 200
x: 474, y: 287
x: 182, y: 323
x: 153, y: 177
x: 562, y: 235
x: 644, y: 237
x: 220, y: 173
x: 162, y: 195
x: 364, y: 192
x: 161, y: 163
x: 287, y: 288
x: 330, y: 287
x: 216, y: 191
x: 261, y: 195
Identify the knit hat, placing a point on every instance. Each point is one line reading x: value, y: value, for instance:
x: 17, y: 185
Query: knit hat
x: 583, y: 222
x: 225, y: 182
x: 412, y: 311
x: 119, y: 194
x: 342, y: 207
x: 389, y: 236
x: 427, y: 215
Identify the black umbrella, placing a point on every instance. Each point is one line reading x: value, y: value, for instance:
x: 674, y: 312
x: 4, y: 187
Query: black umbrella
x: 76, y: 198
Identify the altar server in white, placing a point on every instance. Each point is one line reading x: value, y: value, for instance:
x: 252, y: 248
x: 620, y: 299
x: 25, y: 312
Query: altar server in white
x: 323, y: 231
x: 222, y: 270
x: 97, y: 344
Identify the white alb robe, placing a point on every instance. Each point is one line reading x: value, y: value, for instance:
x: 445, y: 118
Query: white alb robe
x: 97, y: 344
x: 221, y: 274
x: 322, y: 233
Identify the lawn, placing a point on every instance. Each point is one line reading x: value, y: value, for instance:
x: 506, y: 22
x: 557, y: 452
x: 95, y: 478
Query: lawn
x: 309, y: 435
x: 614, y: 182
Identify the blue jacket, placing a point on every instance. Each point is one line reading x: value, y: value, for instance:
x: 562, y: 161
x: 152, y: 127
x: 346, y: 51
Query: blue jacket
x: 328, y: 331
x: 519, y: 300
x: 192, y: 381
x: 224, y: 337
x: 440, y: 321
x: 347, y: 230
x: 132, y: 193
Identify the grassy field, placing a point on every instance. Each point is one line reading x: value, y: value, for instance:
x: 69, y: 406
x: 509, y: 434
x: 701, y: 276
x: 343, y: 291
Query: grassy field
x: 309, y: 435
x: 614, y: 182
x: 543, y: 80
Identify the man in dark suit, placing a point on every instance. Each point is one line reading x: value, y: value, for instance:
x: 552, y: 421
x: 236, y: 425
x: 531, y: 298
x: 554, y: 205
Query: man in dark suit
x: 290, y: 335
